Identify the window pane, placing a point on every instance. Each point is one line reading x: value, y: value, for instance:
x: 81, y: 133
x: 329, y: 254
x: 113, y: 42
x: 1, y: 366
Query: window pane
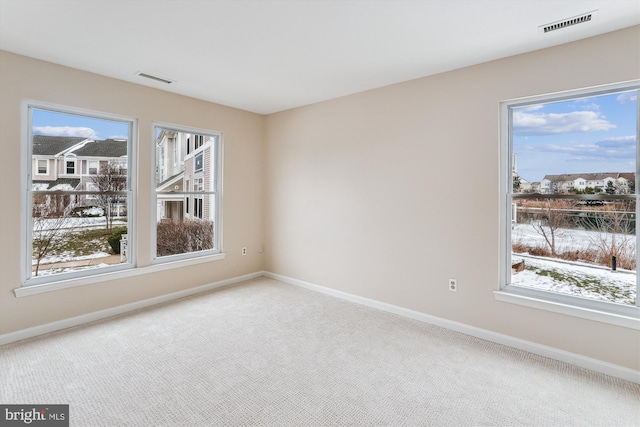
x: 72, y: 231
x: 185, y: 221
x: 576, y: 247
x: 583, y: 146
x: 582, y: 240
x: 70, y: 236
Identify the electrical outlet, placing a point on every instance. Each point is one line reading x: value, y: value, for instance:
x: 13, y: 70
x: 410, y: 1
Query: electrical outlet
x: 453, y: 285
x: 244, y: 251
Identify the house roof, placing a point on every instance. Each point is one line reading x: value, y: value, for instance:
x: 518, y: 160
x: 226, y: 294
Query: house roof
x: 161, y: 186
x: 106, y: 148
x: 590, y: 176
x: 52, y: 145
x: 73, y: 182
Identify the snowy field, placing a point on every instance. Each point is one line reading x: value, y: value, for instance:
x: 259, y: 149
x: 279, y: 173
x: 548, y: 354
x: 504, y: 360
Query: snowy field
x: 68, y: 256
x: 83, y: 222
x: 71, y: 225
x: 567, y: 239
x: 571, y: 278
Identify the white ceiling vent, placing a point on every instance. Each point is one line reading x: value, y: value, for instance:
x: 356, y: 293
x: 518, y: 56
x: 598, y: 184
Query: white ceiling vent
x: 568, y: 22
x: 156, y: 78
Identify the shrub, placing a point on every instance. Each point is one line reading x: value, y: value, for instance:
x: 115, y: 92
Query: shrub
x: 114, y: 239
x: 178, y: 237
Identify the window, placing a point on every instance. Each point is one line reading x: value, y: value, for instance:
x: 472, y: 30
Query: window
x: 43, y: 167
x: 71, y: 220
x: 198, y: 162
x: 198, y: 141
x: 93, y: 167
x: 180, y: 233
x: 70, y: 167
x: 567, y: 244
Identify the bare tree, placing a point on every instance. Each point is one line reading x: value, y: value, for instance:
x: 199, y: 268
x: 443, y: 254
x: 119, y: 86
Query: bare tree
x: 48, y: 227
x: 112, y: 178
x: 615, y: 234
x: 550, y: 218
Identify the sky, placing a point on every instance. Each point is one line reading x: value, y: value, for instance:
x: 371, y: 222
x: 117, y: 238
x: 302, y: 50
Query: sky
x: 595, y: 134
x: 59, y: 124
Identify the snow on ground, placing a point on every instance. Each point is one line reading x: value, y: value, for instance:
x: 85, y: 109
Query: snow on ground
x: 68, y: 256
x: 571, y: 278
x: 576, y: 279
x: 79, y: 222
x: 68, y: 269
x: 567, y: 239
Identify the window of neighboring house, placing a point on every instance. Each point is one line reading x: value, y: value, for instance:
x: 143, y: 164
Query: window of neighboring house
x: 187, y: 198
x: 93, y: 167
x: 175, y: 152
x: 43, y: 167
x: 198, y: 201
x: 576, y: 247
x: 70, y: 167
x: 70, y: 223
x: 198, y: 162
x: 196, y: 234
x: 198, y: 141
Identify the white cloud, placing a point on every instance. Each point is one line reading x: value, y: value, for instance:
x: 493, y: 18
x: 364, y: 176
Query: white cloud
x: 65, y: 131
x: 531, y: 107
x: 614, y: 148
x: 627, y: 97
x: 525, y: 123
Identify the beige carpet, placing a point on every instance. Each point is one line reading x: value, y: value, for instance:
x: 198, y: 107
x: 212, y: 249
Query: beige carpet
x: 271, y: 354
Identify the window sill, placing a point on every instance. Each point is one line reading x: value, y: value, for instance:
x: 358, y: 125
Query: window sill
x: 98, y: 278
x: 569, y: 310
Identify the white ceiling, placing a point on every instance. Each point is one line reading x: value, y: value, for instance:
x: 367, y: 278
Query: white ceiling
x: 267, y: 56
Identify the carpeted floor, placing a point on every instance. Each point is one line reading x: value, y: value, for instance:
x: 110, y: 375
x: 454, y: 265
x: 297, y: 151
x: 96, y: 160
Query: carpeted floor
x: 270, y: 354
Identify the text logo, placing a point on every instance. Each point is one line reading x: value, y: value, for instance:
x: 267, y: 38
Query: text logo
x: 34, y: 415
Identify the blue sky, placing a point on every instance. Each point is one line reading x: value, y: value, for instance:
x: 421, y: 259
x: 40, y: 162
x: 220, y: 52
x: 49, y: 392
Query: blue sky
x: 59, y: 124
x: 595, y: 134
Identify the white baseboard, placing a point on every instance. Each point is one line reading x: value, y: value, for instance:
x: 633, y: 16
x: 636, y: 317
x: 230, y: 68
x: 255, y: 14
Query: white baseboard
x: 531, y: 347
x: 114, y: 311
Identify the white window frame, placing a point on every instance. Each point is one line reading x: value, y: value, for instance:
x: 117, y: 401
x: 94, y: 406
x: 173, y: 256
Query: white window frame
x: 89, y: 162
x: 33, y: 285
x: 75, y: 165
x: 46, y: 164
x: 602, y: 311
x: 215, y: 192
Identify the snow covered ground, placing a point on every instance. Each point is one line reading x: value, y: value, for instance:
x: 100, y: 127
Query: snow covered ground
x: 71, y: 225
x: 567, y: 239
x: 571, y: 278
x: 80, y: 222
x: 68, y: 256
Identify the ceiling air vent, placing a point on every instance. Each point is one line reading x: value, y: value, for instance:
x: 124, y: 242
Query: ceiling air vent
x: 558, y: 25
x: 158, y: 79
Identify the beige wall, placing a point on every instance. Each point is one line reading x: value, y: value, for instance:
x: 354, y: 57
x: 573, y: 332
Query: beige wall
x: 24, y: 78
x: 388, y: 193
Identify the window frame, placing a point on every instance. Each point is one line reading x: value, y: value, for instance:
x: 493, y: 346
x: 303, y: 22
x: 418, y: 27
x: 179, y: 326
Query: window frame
x: 215, y: 193
x: 607, y: 312
x: 72, y: 160
x: 97, y: 168
x: 46, y: 167
x: 38, y: 283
